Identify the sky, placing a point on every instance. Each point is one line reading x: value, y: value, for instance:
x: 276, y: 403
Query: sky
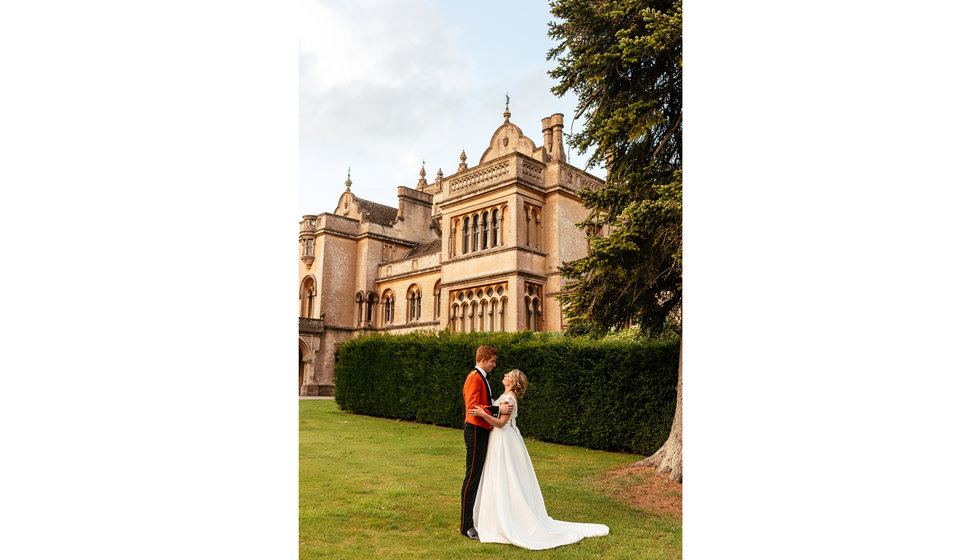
x: 387, y: 84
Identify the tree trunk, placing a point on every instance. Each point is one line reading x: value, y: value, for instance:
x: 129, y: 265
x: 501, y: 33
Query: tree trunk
x: 667, y: 459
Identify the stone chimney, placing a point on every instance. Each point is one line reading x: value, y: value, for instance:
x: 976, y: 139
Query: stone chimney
x: 554, y: 142
x: 546, y: 129
x: 414, y: 212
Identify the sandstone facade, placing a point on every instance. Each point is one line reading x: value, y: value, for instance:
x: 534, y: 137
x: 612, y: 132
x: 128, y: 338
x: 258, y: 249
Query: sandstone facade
x: 477, y: 250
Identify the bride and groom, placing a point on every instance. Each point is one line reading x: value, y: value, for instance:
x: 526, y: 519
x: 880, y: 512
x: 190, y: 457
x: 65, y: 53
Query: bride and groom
x: 501, y: 499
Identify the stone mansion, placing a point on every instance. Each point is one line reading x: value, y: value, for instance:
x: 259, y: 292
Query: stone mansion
x: 477, y: 250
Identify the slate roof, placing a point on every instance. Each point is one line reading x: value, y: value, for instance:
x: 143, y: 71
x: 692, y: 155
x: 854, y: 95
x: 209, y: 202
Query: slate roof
x: 376, y: 213
x: 424, y: 249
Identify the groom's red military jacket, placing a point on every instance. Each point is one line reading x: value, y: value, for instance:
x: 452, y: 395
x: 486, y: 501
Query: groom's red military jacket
x: 476, y: 393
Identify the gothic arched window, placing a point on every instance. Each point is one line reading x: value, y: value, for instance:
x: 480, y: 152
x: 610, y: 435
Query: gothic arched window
x: 486, y: 231
x: 308, y: 297
x: 476, y: 233
x: 359, y: 300
x: 369, y: 314
x: 495, y: 225
x: 414, y: 297
x: 437, y: 296
x: 389, y: 307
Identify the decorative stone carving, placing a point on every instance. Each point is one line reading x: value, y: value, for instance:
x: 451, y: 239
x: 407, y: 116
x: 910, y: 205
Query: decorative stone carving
x: 422, y: 182
x: 481, y: 308
x: 479, y: 178
x: 531, y: 171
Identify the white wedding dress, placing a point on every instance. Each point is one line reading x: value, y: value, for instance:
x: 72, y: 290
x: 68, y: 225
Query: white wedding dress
x: 509, y: 507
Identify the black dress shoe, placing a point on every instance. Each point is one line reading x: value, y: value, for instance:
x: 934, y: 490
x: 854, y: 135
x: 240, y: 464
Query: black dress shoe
x: 471, y: 533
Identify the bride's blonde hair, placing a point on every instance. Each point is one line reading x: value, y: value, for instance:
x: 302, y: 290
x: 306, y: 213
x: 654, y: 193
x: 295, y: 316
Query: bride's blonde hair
x: 519, y: 382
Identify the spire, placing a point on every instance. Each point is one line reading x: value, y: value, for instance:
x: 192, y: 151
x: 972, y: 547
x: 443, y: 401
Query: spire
x: 507, y: 109
x: 347, y: 182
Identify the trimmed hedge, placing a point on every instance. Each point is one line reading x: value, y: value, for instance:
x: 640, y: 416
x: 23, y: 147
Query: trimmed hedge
x: 613, y: 395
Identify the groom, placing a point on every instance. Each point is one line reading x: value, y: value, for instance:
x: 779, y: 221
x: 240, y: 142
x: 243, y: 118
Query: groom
x: 476, y: 431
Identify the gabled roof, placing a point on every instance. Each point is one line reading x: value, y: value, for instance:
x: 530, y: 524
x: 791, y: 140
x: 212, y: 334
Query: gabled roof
x: 375, y: 212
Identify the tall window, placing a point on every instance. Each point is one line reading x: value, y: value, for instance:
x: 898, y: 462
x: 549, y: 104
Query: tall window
x: 414, y: 297
x: 389, y: 305
x: 495, y: 224
x: 533, y: 307
x: 478, y: 230
x: 359, y: 300
x: 536, y: 224
x: 437, y: 296
x: 308, y: 247
x: 307, y: 297
x: 532, y: 228
x: 476, y: 233
x: 478, y: 309
x: 452, y: 237
x: 485, y: 230
x: 527, y: 225
x: 372, y: 299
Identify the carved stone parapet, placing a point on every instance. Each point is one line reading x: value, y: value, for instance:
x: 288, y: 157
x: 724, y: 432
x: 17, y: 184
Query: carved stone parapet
x: 308, y: 225
x: 566, y: 178
x: 308, y: 325
x: 577, y: 180
x: 531, y: 171
x: 480, y: 177
x: 588, y: 184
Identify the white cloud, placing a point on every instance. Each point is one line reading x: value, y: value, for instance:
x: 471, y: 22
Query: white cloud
x: 386, y: 84
x: 376, y: 43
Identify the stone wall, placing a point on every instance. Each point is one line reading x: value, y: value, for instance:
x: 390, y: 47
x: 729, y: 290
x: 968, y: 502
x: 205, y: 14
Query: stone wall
x: 362, y: 247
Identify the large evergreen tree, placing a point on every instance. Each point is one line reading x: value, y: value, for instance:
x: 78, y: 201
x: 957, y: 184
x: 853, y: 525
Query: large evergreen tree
x: 622, y: 59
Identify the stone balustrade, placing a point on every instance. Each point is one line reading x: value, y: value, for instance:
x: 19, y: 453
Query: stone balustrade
x: 309, y: 325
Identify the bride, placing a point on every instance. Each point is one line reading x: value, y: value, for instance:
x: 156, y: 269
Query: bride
x: 509, y: 507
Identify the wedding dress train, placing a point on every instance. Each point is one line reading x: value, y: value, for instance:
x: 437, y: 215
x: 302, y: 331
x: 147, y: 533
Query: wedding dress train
x: 509, y: 507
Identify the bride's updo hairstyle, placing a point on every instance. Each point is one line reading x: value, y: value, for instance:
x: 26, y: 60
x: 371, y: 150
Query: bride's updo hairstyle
x: 519, y: 381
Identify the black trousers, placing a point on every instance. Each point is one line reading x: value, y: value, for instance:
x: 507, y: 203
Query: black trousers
x: 476, y: 439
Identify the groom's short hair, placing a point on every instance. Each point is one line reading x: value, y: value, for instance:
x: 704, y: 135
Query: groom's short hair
x: 485, y: 353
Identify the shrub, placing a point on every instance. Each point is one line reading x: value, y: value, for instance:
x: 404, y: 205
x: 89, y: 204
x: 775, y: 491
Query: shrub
x: 612, y: 394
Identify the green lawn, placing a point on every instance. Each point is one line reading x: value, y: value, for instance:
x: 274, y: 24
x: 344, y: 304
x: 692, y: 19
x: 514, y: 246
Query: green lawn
x: 377, y: 488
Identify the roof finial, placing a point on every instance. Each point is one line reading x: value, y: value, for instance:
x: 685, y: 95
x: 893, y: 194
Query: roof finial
x: 462, y: 161
x: 347, y: 182
x: 507, y: 109
x: 422, y: 181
